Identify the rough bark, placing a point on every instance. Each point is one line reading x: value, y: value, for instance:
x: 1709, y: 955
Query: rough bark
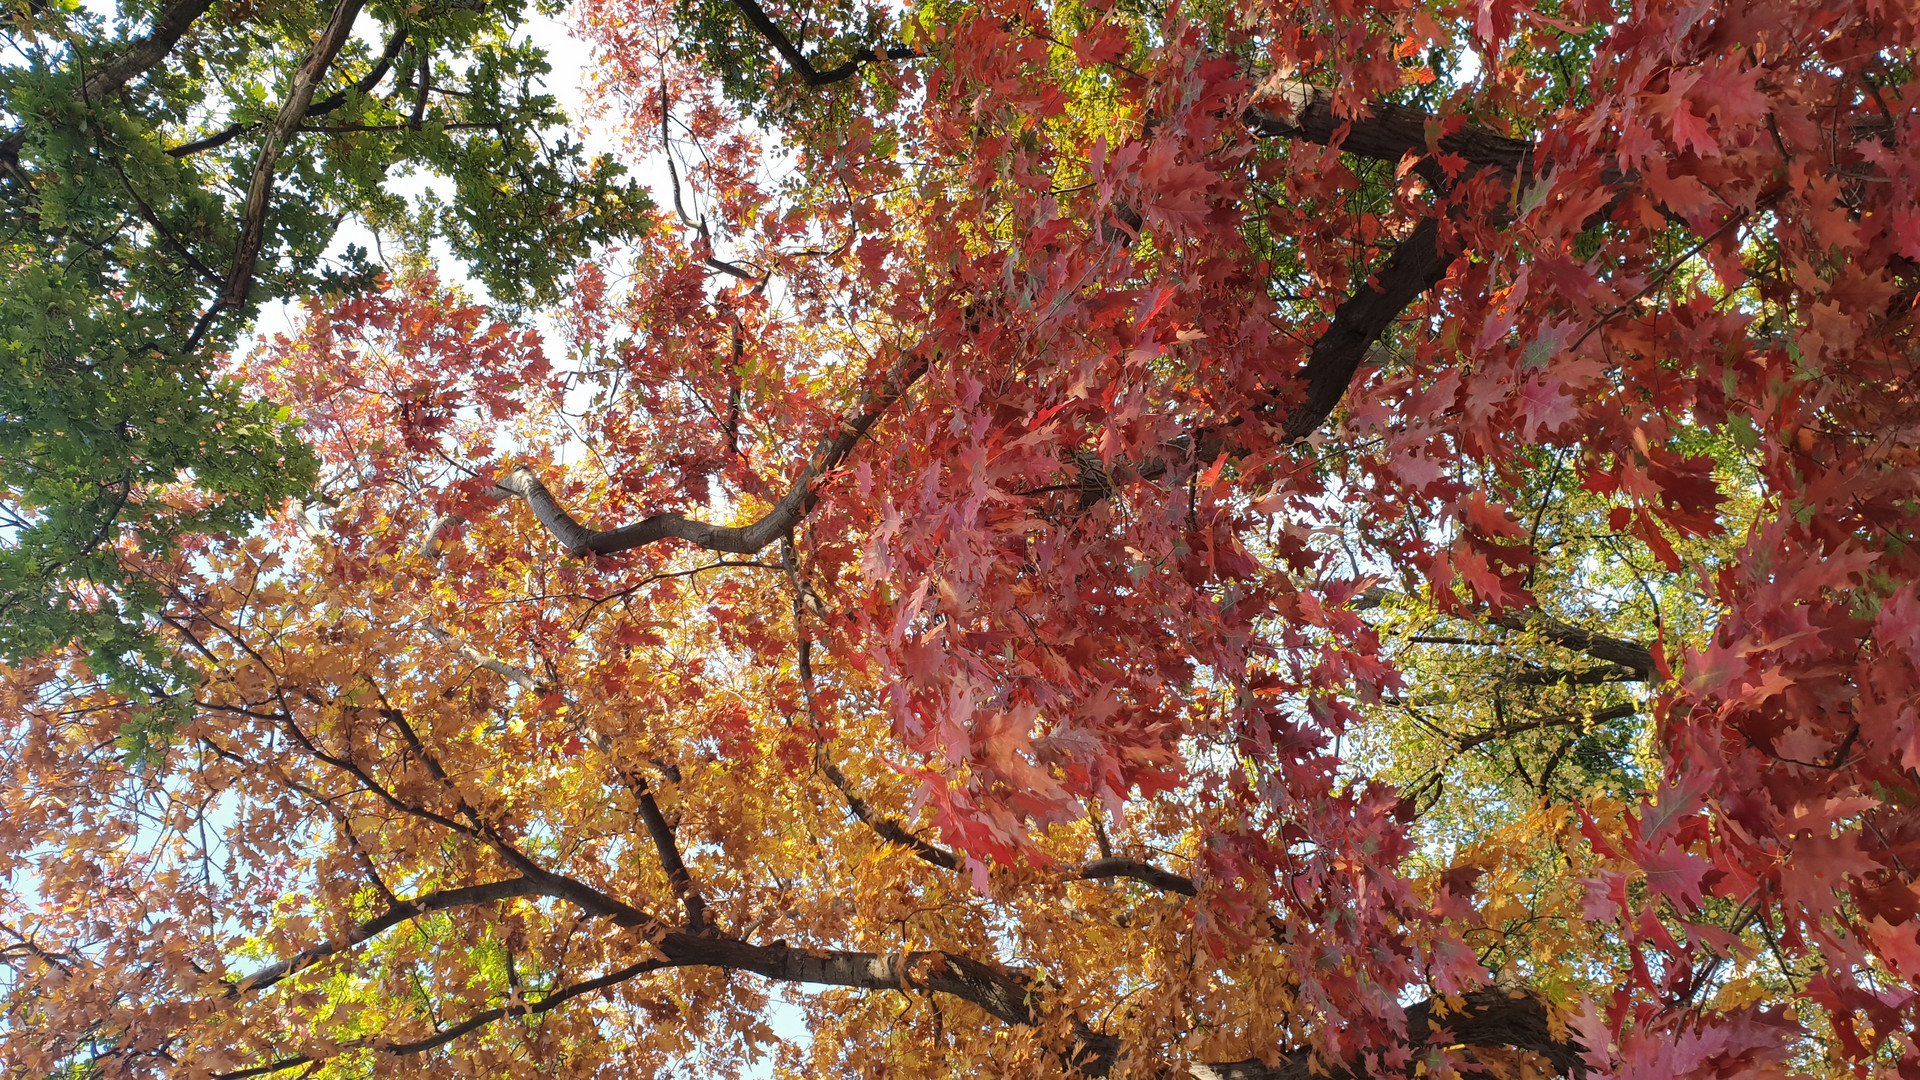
x: 1507, y: 1018
x: 292, y: 111
x: 113, y: 76
x: 1631, y: 655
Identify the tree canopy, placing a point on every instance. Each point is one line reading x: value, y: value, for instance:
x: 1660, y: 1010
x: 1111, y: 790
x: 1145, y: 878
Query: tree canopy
x: 168, y: 168
x: 1096, y: 539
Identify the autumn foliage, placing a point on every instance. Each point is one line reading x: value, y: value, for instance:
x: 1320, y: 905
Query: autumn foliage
x: 1135, y: 540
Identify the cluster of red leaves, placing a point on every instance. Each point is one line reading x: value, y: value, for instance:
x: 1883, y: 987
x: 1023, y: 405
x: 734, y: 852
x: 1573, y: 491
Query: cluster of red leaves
x: 1099, y: 322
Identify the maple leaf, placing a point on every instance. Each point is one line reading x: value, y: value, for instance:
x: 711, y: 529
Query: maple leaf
x: 979, y: 535
x: 1544, y: 405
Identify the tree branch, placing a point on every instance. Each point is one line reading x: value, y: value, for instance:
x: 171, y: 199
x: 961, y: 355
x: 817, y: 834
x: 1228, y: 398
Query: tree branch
x: 995, y: 991
x: 1146, y: 873
x: 438, y: 901
x: 112, y: 77
x: 1597, y: 676
x: 1386, y: 133
x: 322, y: 107
x: 650, y: 815
x: 1097, y: 870
x: 472, y: 1023
x: 888, y: 829
x: 1417, y: 264
x: 305, y: 81
x: 1631, y: 655
x: 545, y: 1005
x: 764, y: 25
x: 1420, y: 261
x: 669, y: 849
x: 1491, y: 1017
x: 522, y: 678
x: 578, y: 893
x: 1494, y: 1017
x: 578, y: 539
x: 1545, y: 723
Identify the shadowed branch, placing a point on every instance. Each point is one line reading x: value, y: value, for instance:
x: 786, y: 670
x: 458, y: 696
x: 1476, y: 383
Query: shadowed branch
x: 798, y: 62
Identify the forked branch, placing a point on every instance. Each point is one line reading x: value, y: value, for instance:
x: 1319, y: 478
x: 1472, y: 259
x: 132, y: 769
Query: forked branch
x: 333, y: 101
x: 1417, y: 264
x: 1386, y: 132
x: 1495, y: 1018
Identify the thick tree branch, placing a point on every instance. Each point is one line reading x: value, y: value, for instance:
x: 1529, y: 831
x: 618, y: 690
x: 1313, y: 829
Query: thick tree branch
x: 113, y: 76
x: 444, y: 900
x: 750, y: 539
x: 1631, y: 655
x: 1146, y: 873
x: 764, y: 25
x: 1000, y: 994
x: 1386, y: 132
x: 1417, y: 264
x: 1506, y: 1018
x: 1496, y: 1017
x: 333, y: 101
x: 292, y: 111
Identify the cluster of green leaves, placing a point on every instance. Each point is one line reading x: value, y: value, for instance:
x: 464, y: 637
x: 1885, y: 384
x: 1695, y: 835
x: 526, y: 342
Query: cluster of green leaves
x: 717, y: 35
x: 127, y: 147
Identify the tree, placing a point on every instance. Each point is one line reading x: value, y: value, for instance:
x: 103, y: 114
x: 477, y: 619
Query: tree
x: 1129, y: 540
x: 169, y: 168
